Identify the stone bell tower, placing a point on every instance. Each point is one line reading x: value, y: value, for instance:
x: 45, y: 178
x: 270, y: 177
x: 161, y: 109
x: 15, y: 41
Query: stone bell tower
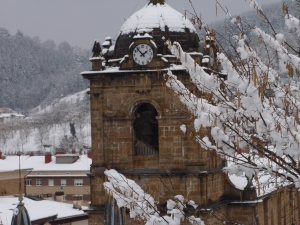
x: 136, y: 120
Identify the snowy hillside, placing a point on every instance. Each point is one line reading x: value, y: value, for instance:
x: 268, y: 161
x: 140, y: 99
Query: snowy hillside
x: 32, y: 72
x: 50, y: 126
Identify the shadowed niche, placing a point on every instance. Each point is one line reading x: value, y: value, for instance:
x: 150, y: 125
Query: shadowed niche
x: 146, y: 130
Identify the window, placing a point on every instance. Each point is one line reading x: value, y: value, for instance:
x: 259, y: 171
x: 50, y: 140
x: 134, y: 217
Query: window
x: 50, y: 182
x: 63, y: 182
x: 28, y: 182
x: 78, y: 182
x: 38, y: 182
x: 64, y: 198
x: 146, y: 130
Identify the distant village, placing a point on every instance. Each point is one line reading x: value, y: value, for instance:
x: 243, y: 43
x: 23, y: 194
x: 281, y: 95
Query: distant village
x: 52, y: 177
x: 61, y: 178
x: 8, y: 115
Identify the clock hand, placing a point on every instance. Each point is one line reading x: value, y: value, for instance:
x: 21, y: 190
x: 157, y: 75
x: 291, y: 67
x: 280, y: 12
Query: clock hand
x: 139, y: 50
x: 143, y: 54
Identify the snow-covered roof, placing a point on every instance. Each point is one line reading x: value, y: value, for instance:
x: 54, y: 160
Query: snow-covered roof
x: 106, y: 43
x: 104, y: 51
x: 36, y: 209
x: 66, y: 155
x: 37, y: 163
x: 62, y: 175
x: 7, y: 115
x: 156, y: 16
x: 111, y: 48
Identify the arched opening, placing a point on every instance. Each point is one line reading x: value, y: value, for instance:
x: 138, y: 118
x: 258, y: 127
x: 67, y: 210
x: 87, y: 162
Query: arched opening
x: 146, y: 130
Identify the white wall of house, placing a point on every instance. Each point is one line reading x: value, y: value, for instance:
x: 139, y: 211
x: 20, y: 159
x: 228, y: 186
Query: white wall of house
x: 10, y: 117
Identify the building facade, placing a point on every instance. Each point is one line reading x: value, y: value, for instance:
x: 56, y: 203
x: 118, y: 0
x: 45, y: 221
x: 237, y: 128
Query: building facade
x: 59, y: 186
x: 63, y: 185
x: 136, y: 123
x: 61, y: 177
x: 11, y: 117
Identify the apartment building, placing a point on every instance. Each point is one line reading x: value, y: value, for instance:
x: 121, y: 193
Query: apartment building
x: 62, y: 177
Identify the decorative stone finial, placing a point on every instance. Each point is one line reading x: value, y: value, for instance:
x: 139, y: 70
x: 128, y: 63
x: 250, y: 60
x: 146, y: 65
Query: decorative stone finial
x: 96, y: 49
x: 154, y: 2
x: 20, y: 214
x: 97, y: 59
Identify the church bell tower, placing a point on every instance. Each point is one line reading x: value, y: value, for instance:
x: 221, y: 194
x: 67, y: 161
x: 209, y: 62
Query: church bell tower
x: 136, y: 119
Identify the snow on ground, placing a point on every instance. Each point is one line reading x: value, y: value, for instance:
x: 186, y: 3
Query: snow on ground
x: 36, y: 209
x: 68, y: 99
x: 15, y: 142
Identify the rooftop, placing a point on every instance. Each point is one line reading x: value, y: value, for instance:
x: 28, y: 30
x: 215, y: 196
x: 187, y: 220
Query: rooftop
x: 37, y: 163
x: 36, y: 209
x: 7, y: 115
x: 159, y: 20
x: 156, y: 16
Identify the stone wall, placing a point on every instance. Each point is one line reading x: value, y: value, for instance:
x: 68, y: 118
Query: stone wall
x: 182, y: 166
x: 281, y: 207
x: 113, y: 102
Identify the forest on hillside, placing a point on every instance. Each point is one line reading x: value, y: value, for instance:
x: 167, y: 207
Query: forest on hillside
x: 34, y: 72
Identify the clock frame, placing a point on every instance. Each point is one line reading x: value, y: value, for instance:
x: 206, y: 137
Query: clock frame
x: 146, y: 41
x: 152, y: 62
x: 142, y: 54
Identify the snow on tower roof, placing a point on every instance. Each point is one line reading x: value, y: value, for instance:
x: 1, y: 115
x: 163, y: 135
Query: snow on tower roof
x: 156, y: 16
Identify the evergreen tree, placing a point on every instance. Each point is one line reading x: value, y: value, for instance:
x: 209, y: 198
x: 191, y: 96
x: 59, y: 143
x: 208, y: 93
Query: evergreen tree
x: 32, y: 72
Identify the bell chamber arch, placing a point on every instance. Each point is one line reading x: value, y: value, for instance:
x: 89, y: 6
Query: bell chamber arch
x: 145, y: 127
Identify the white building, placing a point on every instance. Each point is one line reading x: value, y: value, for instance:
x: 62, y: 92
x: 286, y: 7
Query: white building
x: 9, y: 117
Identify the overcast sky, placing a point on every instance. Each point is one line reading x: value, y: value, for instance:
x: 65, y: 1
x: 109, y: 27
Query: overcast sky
x: 80, y: 22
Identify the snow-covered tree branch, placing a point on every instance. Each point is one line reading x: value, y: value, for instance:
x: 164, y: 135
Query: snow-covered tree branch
x: 253, y: 115
x: 143, y: 206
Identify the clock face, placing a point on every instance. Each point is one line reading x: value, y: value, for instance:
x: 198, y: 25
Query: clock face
x: 142, y: 54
